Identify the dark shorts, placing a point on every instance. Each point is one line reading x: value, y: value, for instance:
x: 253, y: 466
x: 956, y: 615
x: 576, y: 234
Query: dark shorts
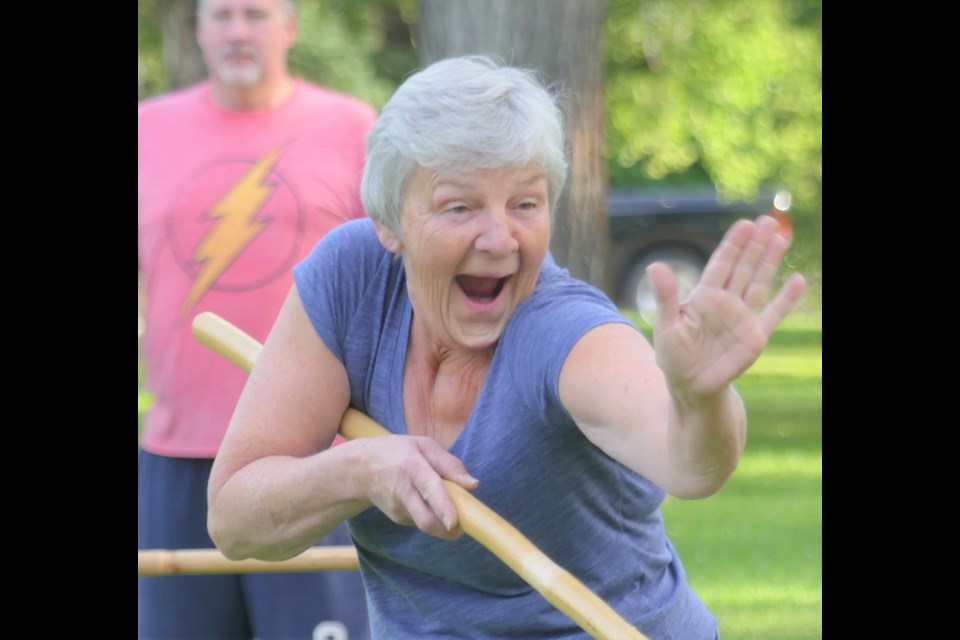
x: 172, y: 514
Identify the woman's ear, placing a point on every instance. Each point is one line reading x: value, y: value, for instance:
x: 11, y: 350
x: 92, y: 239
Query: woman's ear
x: 388, y: 238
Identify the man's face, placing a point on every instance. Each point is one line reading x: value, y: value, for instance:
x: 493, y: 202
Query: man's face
x: 244, y: 41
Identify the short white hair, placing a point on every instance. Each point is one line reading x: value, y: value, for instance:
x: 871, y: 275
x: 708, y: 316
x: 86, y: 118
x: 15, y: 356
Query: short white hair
x: 459, y: 115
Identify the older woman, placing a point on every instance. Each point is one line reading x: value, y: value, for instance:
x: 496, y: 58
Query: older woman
x: 494, y: 369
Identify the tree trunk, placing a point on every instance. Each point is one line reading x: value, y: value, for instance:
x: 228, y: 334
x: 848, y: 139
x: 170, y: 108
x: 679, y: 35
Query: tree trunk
x: 562, y: 39
x: 181, y: 53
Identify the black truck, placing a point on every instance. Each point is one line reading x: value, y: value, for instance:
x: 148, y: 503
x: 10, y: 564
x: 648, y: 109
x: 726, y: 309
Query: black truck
x: 678, y: 226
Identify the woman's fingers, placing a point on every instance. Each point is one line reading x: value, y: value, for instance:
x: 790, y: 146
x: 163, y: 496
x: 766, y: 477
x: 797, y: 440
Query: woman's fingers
x: 665, y: 290
x: 724, y: 258
x: 758, y: 290
x: 446, y: 464
x: 747, y: 267
x: 449, y: 467
x: 416, y: 493
x: 783, y: 303
x: 746, y: 261
x: 425, y: 503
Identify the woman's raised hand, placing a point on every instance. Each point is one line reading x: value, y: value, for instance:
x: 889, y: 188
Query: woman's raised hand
x: 705, y: 342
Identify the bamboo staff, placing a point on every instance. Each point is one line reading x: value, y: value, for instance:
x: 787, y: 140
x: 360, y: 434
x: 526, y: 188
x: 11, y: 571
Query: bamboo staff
x: 555, y: 583
x: 165, y: 562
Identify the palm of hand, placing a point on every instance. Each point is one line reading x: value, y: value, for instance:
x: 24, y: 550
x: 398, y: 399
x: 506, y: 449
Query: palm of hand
x: 708, y: 340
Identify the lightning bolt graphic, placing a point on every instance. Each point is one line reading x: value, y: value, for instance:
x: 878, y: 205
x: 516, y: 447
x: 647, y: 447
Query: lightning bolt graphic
x: 237, y: 227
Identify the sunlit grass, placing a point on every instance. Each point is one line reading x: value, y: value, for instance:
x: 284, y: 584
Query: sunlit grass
x: 796, y: 362
x: 754, y: 551
x: 770, y: 466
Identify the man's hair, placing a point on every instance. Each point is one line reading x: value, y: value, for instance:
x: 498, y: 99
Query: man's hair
x: 286, y: 6
x: 459, y: 115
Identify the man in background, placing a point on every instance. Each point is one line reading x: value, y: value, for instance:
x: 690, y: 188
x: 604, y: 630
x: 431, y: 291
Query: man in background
x: 239, y: 176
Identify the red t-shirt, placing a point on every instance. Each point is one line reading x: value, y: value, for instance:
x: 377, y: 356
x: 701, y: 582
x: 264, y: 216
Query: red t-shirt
x: 227, y: 204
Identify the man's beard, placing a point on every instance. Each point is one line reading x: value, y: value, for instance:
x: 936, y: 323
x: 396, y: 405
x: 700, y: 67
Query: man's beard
x: 245, y: 77
x: 236, y: 74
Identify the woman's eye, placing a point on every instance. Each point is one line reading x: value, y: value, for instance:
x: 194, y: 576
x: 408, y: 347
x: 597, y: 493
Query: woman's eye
x: 457, y: 208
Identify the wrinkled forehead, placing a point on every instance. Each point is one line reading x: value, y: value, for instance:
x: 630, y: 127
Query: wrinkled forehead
x: 424, y: 182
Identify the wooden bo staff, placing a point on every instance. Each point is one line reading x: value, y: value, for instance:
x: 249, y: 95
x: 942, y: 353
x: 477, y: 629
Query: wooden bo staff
x: 165, y: 562
x: 555, y: 583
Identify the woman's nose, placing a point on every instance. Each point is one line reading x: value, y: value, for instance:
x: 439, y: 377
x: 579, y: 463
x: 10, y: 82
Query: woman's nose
x: 496, y: 236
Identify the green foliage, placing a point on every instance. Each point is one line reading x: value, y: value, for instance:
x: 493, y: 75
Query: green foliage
x: 731, y: 90
x: 335, y: 49
x: 392, y: 23
x: 722, y: 91
x: 152, y: 77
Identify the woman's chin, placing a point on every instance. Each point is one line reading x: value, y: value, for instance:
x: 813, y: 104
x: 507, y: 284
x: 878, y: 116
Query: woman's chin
x: 479, y: 336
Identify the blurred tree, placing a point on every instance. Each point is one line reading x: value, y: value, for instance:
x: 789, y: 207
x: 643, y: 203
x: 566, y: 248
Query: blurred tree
x: 337, y: 43
x: 181, y: 54
x: 389, y: 25
x: 152, y: 75
x: 729, y: 91
x: 562, y: 39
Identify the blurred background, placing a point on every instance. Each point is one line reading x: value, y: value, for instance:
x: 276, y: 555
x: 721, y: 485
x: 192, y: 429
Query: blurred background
x: 660, y: 94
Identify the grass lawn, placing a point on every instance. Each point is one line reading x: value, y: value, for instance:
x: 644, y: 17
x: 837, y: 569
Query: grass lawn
x: 754, y: 550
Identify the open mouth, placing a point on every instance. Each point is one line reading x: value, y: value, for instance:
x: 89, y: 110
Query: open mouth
x: 481, y: 289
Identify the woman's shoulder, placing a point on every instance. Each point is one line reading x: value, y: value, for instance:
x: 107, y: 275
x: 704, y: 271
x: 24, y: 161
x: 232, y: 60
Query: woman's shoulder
x: 556, y: 289
x: 351, y: 239
x: 346, y: 276
x: 353, y: 243
x: 359, y: 230
x: 561, y: 309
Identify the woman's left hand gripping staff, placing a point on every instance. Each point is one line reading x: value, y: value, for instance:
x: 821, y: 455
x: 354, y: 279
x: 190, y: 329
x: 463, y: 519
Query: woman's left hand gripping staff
x: 405, y: 481
x: 708, y: 340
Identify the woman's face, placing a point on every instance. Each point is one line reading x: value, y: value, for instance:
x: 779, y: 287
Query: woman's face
x: 472, y: 248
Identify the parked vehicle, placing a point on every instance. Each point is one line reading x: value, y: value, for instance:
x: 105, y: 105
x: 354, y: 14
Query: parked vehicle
x: 680, y: 227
